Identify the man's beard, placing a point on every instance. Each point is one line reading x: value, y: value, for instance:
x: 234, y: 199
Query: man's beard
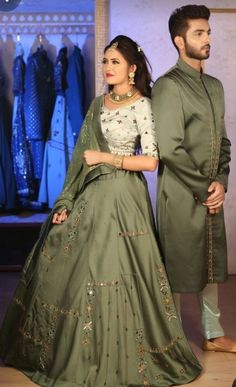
x: 193, y: 53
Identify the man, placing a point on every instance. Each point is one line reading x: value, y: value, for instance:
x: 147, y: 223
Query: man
x: 188, y: 108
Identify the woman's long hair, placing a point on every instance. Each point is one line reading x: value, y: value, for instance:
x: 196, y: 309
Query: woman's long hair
x: 134, y: 54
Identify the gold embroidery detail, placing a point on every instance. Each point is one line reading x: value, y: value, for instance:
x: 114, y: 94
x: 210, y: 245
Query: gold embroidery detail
x: 73, y: 233
x: 19, y: 302
x: 45, y: 254
x: 142, y: 364
x: 27, y: 335
x: 215, y: 154
x: 52, y: 308
x: 88, y: 323
x: 89, y: 308
x: 132, y: 233
x: 45, y: 345
x: 84, y: 134
x: 142, y: 367
x: 65, y: 312
x: 212, y: 153
x: 215, y: 141
x: 88, y: 326
x: 104, y: 283
x: 166, y: 293
x: 50, y: 336
x: 139, y: 334
x: 165, y: 348
x: 209, y: 248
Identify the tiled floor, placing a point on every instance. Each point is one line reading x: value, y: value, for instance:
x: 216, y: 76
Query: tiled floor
x: 219, y: 368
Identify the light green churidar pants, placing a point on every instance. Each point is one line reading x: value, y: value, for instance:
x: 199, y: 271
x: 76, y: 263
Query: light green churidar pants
x: 210, y: 313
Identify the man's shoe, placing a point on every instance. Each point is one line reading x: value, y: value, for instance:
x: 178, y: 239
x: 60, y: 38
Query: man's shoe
x: 209, y: 345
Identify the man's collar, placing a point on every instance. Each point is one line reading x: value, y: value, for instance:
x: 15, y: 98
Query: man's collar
x: 185, y: 67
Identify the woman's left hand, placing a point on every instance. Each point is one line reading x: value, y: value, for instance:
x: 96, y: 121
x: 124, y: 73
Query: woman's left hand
x: 92, y: 157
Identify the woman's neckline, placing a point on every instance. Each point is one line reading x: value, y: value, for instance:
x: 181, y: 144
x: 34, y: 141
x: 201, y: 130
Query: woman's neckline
x: 122, y: 106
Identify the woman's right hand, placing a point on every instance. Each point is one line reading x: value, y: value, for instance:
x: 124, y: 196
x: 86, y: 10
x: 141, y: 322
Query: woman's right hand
x: 59, y: 217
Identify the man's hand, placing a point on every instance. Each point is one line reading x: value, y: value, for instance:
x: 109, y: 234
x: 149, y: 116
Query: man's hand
x: 59, y: 217
x: 215, y: 211
x: 216, y: 197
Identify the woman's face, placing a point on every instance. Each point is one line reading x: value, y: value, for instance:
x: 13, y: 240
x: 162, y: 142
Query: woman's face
x: 115, y: 68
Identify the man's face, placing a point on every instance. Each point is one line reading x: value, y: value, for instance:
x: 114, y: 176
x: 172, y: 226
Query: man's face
x: 197, y: 39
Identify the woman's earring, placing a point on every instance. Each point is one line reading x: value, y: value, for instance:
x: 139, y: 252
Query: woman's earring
x: 105, y: 88
x: 131, y: 78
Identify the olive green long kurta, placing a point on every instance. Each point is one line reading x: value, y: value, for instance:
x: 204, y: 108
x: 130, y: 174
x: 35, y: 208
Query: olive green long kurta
x: 188, y: 108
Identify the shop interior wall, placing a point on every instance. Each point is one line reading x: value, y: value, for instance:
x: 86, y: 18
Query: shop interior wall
x: 146, y: 22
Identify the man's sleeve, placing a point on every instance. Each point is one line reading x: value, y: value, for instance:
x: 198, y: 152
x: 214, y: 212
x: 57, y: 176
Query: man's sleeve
x: 224, y: 159
x: 169, y: 119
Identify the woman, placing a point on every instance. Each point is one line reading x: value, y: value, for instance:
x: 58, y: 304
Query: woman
x: 94, y: 306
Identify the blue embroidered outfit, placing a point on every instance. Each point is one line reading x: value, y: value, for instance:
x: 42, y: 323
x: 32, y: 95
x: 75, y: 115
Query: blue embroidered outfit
x: 7, y: 181
x: 22, y: 161
x: 75, y: 93
x: 59, y: 147
x: 38, y: 104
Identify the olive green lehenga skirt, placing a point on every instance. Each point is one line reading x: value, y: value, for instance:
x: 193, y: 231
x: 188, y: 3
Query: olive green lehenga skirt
x: 98, y: 309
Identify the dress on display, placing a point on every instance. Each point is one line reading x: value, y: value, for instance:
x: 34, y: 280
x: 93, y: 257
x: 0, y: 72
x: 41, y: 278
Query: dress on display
x: 75, y: 93
x: 38, y: 105
x: 59, y: 147
x: 7, y: 181
x: 93, y: 307
x: 22, y: 161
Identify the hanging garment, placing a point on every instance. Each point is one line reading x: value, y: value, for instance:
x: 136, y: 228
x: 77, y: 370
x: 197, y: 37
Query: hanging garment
x: 7, y: 181
x: 38, y: 105
x: 75, y: 93
x: 22, y: 162
x: 59, y: 147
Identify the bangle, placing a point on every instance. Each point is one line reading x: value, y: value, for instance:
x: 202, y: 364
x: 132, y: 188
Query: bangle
x: 118, y: 161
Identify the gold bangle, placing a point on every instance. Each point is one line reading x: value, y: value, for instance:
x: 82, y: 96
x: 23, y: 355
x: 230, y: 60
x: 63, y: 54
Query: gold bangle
x: 118, y: 161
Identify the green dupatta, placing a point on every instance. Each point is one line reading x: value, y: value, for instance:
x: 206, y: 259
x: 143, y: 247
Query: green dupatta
x: 79, y: 174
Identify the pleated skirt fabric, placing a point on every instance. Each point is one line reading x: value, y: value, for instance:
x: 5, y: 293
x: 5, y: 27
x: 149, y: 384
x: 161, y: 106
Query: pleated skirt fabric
x: 98, y: 310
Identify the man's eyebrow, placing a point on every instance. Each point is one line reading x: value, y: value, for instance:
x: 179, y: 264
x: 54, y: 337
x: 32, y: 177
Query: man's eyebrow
x: 201, y: 30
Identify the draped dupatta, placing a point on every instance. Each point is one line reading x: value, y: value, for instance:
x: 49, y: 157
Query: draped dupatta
x: 79, y: 173
x: 78, y: 176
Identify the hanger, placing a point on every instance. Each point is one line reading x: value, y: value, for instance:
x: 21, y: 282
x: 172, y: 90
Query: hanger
x: 19, y: 47
x: 76, y: 37
x: 40, y: 39
x: 63, y: 36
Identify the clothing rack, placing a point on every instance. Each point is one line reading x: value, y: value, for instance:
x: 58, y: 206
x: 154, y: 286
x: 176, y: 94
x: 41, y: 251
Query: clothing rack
x: 46, y: 23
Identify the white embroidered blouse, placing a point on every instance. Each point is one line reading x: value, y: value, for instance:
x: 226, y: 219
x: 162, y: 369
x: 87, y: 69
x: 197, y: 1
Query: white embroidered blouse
x: 129, y: 128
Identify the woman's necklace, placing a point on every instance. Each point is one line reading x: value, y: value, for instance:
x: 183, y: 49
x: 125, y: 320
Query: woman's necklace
x: 117, y: 98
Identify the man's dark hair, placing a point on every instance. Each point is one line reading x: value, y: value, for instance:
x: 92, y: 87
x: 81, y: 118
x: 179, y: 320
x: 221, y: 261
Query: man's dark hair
x: 178, y: 21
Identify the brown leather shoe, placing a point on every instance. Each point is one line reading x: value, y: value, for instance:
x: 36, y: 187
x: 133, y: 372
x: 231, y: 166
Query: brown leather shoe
x: 209, y: 345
